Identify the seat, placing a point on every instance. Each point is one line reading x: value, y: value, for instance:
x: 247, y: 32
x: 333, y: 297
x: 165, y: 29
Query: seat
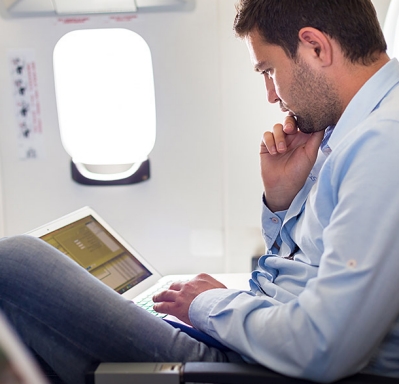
x: 198, y: 372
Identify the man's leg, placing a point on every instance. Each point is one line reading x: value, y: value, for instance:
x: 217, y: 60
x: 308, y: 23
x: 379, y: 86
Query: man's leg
x: 72, y: 320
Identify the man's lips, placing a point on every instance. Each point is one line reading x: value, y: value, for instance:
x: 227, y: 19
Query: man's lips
x: 290, y: 113
x: 283, y: 108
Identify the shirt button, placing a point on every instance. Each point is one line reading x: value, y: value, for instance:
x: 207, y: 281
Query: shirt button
x: 351, y: 264
x: 275, y: 220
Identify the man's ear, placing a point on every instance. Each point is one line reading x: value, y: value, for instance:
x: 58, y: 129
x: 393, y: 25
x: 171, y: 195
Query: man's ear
x: 316, y: 44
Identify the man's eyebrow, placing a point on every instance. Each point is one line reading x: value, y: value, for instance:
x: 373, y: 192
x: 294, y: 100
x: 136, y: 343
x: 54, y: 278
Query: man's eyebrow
x: 259, y: 65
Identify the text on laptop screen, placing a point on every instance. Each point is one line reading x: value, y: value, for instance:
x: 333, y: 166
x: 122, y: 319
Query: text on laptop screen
x: 88, y: 243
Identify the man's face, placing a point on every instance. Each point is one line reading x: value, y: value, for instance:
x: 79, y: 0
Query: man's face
x: 302, y: 91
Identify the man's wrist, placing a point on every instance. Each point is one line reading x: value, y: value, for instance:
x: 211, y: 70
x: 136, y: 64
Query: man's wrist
x: 273, y: 205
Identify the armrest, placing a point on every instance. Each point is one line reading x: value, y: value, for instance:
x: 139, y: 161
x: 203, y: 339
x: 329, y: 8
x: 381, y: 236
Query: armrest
x: 198, y: 372
x: 233, y: 373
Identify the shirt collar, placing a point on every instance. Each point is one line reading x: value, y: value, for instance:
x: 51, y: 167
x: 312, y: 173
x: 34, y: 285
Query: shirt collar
x: 364, y: 102
x: 325, y: 148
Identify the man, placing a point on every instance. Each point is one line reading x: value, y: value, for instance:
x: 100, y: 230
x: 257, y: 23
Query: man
x: 327, y: 304
x: 324, y: 303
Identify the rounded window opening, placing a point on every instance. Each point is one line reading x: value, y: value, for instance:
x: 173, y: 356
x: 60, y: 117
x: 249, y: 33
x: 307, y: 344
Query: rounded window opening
x: 106, y: 102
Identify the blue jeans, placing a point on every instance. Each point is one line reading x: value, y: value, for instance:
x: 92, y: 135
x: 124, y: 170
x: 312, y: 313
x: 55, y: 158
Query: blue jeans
x: 72, y: 320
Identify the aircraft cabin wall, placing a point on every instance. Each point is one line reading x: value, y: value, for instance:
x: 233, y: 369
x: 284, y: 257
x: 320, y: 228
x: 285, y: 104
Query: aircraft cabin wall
x: 200, y: 209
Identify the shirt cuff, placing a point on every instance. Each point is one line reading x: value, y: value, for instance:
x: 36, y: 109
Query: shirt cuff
x: 203, y: 305
x: 271, y: 224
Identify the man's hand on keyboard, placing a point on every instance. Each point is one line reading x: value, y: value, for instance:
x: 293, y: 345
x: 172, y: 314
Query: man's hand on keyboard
x: 177, y: 299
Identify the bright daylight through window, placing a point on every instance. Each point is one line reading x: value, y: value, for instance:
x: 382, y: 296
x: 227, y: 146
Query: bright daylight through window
x: 105, y: 101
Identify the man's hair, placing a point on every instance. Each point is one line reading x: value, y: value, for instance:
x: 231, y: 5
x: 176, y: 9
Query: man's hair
x: 352, y: 23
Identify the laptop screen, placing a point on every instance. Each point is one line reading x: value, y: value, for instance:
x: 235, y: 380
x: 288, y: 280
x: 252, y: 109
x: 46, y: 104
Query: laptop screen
x: 88, y: 243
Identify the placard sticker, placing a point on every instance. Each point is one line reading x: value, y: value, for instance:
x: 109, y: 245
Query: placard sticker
x: 27, y: 104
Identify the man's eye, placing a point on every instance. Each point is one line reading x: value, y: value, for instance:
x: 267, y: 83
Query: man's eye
x: 267, y: 72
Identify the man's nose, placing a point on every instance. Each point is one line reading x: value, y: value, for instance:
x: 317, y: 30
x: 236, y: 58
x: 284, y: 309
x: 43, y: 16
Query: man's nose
x: 272, y: 96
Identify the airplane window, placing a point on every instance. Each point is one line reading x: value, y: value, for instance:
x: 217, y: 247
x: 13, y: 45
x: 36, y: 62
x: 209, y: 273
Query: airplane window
x: 105, y: 101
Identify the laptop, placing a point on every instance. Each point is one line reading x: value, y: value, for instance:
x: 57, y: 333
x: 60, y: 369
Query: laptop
x: 89, y: 240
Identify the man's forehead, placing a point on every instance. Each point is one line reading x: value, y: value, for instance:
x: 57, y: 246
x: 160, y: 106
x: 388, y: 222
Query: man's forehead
x: 256, y: 47
x: 262, y: 54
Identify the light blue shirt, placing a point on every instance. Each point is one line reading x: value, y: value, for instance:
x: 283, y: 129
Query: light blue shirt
x: 325, y: 302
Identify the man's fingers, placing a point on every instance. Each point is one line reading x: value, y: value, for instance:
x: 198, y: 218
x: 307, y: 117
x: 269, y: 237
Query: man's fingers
x: 268, y: 145
x: 290, y: 125
x: 170, y: 302
x: 279, y: 138
x: 274, y: 142
x: 163, y: 307
x: 168, y: 295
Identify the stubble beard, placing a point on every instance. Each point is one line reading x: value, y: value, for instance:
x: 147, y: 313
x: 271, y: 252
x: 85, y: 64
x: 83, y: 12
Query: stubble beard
x: 317, y: 101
